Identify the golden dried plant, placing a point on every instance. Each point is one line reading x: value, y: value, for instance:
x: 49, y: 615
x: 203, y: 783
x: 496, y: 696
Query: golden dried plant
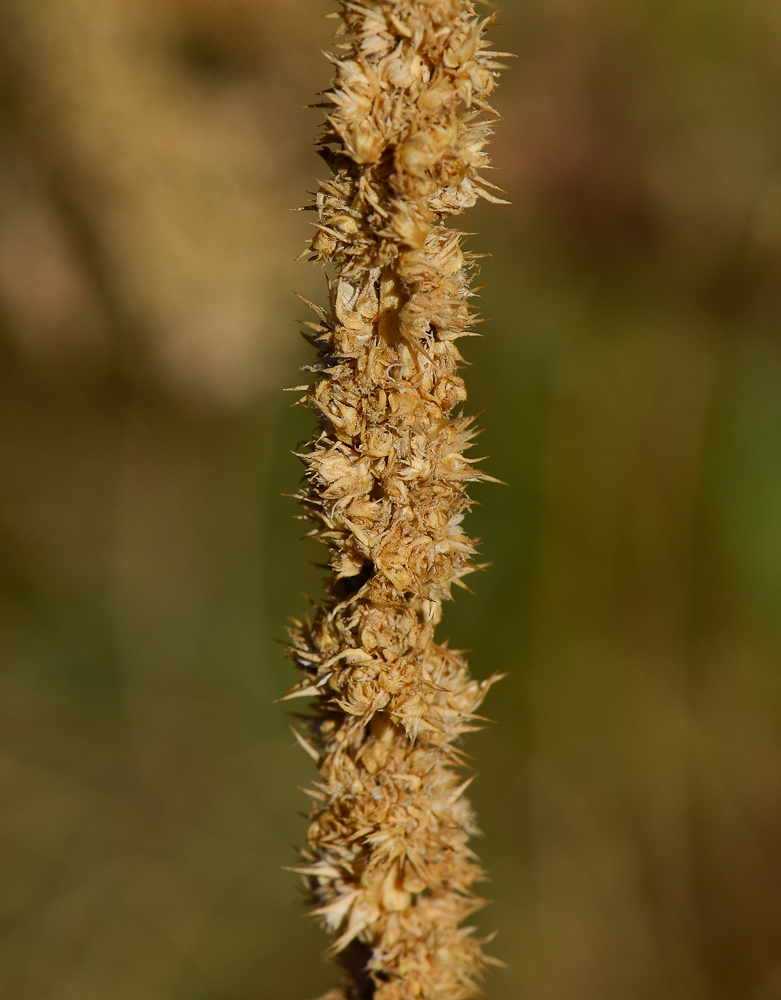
x: 387, y: 860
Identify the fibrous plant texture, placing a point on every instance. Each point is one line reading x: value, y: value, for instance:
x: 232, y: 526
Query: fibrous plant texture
x: 387, y: 860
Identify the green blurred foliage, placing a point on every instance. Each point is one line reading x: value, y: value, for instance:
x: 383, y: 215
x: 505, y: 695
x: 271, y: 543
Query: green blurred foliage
x: 628, y: 378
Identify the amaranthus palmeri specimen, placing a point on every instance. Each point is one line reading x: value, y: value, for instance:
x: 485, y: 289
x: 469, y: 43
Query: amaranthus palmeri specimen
x: 387, y: 860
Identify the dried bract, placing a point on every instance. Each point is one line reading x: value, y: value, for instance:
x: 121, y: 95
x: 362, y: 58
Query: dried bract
x: 387, y: 860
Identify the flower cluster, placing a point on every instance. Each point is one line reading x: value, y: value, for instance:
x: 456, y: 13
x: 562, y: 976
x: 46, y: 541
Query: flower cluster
x: 387, y: 860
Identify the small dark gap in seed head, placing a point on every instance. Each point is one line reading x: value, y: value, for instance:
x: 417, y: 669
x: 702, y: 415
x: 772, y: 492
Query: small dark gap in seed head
x: 348, y: 586
x: 354, y: 960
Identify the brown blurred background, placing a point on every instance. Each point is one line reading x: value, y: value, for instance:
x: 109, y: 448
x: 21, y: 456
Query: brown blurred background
x: 152, y: 152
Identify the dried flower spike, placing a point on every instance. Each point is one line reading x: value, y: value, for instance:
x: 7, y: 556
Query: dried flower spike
x: 387, y: 861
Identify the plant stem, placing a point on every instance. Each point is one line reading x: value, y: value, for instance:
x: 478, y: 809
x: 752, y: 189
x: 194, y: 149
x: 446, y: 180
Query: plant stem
x: 387, y: 861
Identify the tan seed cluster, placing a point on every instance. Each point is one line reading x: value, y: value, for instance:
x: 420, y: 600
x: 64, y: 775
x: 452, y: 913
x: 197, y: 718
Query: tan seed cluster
x: 387, y: 860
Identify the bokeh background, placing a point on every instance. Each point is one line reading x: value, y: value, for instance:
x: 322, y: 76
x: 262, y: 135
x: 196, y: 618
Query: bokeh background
x: 629, y: 377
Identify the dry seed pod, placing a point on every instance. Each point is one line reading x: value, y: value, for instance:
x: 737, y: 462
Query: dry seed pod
x: 387, y: 861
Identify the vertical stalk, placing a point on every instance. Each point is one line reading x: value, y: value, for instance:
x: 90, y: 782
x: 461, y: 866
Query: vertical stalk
x: 387, y: 860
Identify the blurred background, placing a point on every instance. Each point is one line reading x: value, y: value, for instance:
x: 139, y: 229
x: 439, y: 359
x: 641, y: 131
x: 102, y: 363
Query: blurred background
x: 629, y: 379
